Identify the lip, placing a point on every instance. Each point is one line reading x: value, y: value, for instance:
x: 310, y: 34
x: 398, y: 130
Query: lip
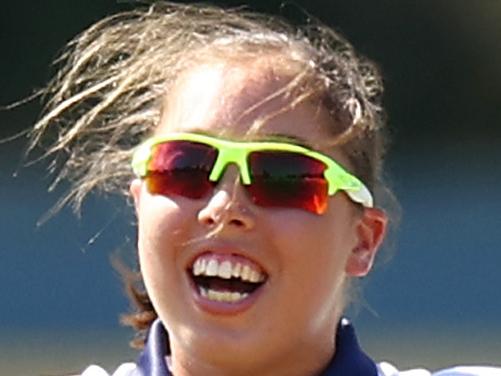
x: 224, y: 308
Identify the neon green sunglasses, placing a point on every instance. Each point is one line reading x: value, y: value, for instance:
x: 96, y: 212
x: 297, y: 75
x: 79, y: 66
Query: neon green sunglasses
x: 275, y: 174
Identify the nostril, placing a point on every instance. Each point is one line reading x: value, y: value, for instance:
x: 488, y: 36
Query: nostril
x: 207, y: 220
x: 237, y: 223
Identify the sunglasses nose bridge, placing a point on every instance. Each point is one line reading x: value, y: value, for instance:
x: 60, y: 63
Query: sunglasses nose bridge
x: 228, y: 207
x: 228, y: 156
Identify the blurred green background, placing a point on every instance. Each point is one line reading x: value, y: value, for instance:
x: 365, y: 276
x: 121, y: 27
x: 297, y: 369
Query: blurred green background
x: 436, y: 302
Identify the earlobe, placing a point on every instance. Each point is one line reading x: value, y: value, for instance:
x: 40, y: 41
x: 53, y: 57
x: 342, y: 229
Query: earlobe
x: 371, y: 229
x: 135, y: 192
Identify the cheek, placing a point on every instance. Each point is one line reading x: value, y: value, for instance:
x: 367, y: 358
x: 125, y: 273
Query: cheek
x: 157, y: 221
x: 319, y: 239
x: 162, y: 224
x: 317, y: 253
x: 314, y: 251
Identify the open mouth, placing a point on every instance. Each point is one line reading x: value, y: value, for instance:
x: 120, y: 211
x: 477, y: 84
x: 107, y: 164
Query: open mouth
x: 228, y: 278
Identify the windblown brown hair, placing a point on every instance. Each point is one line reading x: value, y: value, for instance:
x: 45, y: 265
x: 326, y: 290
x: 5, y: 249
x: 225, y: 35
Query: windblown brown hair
x: 114, y: 77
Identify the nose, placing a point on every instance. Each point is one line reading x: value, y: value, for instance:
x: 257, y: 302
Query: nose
x: 228, y: 206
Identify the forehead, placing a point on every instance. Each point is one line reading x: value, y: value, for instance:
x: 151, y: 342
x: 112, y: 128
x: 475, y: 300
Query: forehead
x: 243, y: 100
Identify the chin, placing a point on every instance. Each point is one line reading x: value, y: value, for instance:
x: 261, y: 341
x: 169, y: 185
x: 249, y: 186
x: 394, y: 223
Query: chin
x: 225, y: 349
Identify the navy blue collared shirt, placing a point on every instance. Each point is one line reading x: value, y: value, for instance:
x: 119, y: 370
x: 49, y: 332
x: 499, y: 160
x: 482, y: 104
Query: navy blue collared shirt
x: 349, y: 359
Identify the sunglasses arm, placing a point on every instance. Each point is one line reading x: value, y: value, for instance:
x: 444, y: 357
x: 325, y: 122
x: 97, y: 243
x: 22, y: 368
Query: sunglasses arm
x: 362, y: 196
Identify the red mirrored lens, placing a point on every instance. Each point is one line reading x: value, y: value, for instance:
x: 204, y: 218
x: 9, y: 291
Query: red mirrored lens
x: 288, y: 180
x: 181, y: 168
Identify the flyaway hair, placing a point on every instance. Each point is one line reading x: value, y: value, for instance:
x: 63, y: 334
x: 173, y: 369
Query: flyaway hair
x: 114, y: 77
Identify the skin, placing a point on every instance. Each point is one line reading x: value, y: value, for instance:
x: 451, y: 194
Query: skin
x: 290, y: 328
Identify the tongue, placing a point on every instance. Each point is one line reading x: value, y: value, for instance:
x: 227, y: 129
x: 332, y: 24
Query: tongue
x: 231, y: 285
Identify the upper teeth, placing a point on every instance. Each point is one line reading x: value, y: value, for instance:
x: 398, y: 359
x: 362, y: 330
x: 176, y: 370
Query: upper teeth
x: 212, y: 267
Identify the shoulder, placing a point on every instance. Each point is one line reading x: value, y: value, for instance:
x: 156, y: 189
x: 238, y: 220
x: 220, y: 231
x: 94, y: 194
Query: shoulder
x: 126, y: 369
x: 387, y: 369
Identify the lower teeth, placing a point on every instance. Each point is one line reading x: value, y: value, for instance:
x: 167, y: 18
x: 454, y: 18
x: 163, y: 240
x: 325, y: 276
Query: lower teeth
x: 222, y: 296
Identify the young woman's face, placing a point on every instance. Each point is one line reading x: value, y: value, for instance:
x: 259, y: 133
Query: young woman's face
x: 304, y: 258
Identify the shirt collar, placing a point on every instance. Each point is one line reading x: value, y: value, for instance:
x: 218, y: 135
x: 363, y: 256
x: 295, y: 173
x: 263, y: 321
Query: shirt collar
x: 349, y: 359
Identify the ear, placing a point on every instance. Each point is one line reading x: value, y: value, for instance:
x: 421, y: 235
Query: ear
x: 371, y: 228
x: 135, y: 192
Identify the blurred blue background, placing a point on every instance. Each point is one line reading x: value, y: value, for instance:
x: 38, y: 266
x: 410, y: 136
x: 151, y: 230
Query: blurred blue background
x: 434, y: 297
